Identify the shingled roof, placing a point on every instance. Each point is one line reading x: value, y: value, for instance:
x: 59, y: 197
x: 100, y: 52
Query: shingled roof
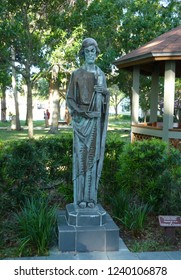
x: 163, y: 48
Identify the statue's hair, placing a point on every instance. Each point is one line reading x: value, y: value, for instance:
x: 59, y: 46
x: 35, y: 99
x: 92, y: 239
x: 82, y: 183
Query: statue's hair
x: 89, y: 42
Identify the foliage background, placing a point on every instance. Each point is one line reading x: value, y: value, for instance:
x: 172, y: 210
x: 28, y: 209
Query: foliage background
x: 46, y: 35
x: 149, y: 170
x: 139, y: 181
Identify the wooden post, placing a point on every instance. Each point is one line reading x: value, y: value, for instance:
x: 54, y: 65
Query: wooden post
x: 135, y: 94
x: 135, y: 97
x: 154, y: 95
x: 169, y: 96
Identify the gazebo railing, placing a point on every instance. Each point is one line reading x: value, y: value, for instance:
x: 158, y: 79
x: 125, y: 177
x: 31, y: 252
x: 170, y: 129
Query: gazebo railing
x: 142, y: 131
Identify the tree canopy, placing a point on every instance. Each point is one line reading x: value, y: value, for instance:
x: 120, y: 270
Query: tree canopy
x: 45, y: 33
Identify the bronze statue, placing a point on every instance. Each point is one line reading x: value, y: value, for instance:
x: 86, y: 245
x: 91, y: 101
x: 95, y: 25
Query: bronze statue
x: 88, y: 103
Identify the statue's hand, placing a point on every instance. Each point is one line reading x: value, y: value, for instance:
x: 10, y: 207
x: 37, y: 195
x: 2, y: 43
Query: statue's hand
x: 100, y: 89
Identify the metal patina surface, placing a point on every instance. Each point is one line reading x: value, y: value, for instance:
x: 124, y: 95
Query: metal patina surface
x: 88, y: 102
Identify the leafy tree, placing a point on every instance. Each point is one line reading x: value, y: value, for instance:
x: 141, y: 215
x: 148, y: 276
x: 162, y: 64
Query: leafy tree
x: 116, y: 96
x: 41, y: 88
x: 101, y: 21
x: 45, y: 33
x: 22, y: 29
x: 144, y: 20
x: 121, y: 26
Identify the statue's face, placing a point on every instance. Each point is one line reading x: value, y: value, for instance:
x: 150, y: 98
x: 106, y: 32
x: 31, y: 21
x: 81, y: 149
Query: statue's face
x: 90, y: 54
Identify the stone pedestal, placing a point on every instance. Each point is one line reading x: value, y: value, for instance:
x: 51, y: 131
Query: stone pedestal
x: 86, y: 230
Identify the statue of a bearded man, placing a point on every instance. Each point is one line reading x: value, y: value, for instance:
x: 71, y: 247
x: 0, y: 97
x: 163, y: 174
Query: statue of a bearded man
x: 88, y: 104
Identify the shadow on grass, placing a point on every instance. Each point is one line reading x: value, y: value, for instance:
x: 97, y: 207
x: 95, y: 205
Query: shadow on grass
x: 8, y: 135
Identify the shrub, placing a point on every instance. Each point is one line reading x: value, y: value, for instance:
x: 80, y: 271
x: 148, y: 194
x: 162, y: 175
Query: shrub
x: 27, y: 167
x: 131, y: 213
x: 108, y: 183
x: 34, y: 225
x: 58, y: 156
x: 134, y: 217
x: 151, y: 171
x: 120, y: 203
x: 22, y: 169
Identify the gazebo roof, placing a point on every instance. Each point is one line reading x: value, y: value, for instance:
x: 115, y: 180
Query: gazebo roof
x: 163, y: 48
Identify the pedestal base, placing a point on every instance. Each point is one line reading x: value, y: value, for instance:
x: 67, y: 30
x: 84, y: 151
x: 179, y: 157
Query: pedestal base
x: 86, y: 230
x: 85, y: 217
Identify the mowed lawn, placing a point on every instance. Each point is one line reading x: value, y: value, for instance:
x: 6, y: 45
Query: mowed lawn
x: 119, y: 126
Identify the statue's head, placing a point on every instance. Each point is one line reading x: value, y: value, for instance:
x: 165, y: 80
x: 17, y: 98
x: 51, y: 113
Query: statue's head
x: 87, y: 43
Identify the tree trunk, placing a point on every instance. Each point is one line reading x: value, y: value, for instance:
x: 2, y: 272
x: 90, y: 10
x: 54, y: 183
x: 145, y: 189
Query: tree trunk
x: 116, y: 111
x: 26, y: 94
x: 29, y: 109
x: 67, y: 116
x: 144, y: 117
x: 15, y: 92
x: 3, y: 104
x: 54, y: 91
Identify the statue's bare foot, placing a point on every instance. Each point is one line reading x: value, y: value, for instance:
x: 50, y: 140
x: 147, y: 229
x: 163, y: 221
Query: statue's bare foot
x: 82, y: 204
x: 91, y: 204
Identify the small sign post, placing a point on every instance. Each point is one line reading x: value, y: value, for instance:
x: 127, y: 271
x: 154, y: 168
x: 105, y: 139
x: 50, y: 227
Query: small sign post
x: 169, y: 223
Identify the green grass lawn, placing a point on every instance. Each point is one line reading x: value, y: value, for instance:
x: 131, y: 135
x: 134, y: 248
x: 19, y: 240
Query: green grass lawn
x: 6, y: 133
x: 119, y: 125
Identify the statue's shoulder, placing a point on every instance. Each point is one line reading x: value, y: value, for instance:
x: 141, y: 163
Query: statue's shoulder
x: 100, y: 72
x: 77, y: 72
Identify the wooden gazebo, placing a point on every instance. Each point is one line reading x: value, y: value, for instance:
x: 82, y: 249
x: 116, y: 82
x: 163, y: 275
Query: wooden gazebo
x: 159, y: 57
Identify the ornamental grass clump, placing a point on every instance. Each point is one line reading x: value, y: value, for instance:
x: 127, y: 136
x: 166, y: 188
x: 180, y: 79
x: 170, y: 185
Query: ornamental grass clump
x: 135, y: 217
x: 35, y: 225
